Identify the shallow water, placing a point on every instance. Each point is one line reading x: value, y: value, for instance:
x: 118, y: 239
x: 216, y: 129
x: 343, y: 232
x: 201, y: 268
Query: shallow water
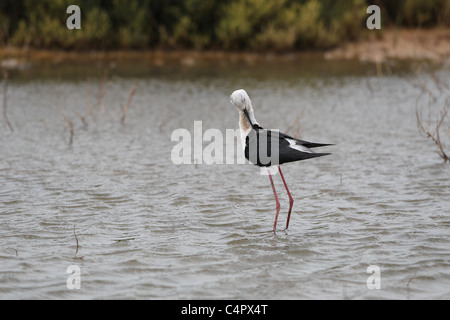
x: 149, y: 229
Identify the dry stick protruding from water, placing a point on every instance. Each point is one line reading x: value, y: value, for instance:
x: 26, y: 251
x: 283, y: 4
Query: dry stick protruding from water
x: 101, y: 92
x: 82, y: 118
x: 67, y: 120
x: 409, y: 281
x: 297, y: 125
x: 76, y: 240
x: 127, y: 105
x: 162, y: 124
x: 434, y: 136
x: 5, y: 100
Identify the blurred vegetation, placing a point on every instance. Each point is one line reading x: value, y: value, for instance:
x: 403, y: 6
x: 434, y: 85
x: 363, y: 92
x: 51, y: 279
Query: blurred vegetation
x: 256, y: 25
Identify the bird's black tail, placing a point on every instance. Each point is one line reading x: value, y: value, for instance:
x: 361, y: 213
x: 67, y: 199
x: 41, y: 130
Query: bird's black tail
x: 315, y: 155
x: 315, y: 145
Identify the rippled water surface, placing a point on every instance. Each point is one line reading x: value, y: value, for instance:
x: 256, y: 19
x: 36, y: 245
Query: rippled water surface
x: 148, y: 229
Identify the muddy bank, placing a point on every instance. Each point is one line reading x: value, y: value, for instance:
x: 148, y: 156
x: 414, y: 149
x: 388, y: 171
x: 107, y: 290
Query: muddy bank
x: 411, y: 44
x: 405, y: 44
x: 17, y: 58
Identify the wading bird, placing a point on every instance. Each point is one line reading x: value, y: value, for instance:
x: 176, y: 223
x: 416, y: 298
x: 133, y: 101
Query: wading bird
x: 270, y: 148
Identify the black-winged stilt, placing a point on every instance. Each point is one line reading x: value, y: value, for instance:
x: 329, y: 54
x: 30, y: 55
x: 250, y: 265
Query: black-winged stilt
x: 270, y: 148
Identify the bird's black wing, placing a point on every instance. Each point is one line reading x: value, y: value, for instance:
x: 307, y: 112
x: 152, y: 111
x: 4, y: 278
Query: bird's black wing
x: 303, y: 142
x: 267, y: 148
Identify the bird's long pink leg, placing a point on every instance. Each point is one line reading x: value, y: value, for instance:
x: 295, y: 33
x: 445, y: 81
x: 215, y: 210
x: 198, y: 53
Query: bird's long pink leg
x: 291, y: 200
x: 276, y: 200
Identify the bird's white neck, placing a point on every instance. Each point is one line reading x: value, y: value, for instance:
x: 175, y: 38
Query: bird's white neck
x: 245, y: 125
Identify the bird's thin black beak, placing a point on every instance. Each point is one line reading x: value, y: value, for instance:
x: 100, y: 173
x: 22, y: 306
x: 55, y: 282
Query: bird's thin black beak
x: 248, y: 117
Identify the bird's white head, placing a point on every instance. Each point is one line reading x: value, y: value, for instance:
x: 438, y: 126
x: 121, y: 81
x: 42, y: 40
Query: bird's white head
x: 241, y: 100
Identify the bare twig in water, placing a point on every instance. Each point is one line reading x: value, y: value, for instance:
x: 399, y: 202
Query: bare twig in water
x: 89, y: 103
x: 102, y: 92
x: 162, y: 124
x: 448, y: 131
x: 67, y: 120
x: 127, y: 105
x: 98, y: 97
x: 409, y: 281
x: 424, y: 88
x: 369, y: 85
x: 5, y: 99
x: 296, y: 124
x: 427, y: 127
x: 76, y: 239
x: 434, y: 136
x: 82, y: 118
x: 441, y: 85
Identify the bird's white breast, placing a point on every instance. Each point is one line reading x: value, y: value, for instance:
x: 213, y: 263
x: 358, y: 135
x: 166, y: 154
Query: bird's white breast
x: 245, y: 127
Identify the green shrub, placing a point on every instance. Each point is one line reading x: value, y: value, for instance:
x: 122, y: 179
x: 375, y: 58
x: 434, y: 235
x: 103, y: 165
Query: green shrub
x: 280, y: 25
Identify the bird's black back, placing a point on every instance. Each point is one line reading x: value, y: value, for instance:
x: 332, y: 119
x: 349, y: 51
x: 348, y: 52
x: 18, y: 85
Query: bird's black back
x: 266, y: 148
